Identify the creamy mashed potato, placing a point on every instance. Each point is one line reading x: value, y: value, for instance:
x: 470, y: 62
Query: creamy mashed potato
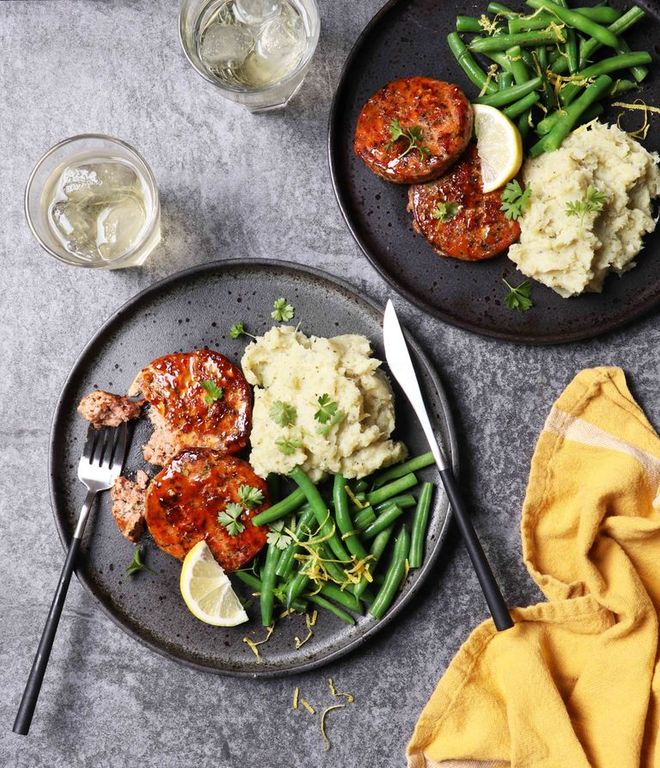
x: 287, y: 367
x: 572, y: 254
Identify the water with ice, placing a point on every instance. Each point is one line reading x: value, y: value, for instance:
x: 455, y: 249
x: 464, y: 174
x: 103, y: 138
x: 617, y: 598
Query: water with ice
x: 252, y: 43
x: 96, y: 208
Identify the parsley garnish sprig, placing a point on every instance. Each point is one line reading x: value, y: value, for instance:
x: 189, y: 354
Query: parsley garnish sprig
x: 283, y: 414
x: 592, y: 202
x: 277, y: 537
x: 229, y: 518
x: 446, y: 211
x: 238, y: 329
x: 519, y: 297
x: 282, y: 310
x: 213, y: 391
x: 412, y: 135
x: 250, y: 496
x: 515, y: 200
x: 328, y: 414
x: 137, y: 564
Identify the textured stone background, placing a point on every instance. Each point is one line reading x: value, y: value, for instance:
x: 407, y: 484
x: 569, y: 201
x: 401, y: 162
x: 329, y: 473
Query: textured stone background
x: 232, y: 185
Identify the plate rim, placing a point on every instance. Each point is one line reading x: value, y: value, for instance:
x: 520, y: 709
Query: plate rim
x: 61, y: 412
x: 547, y: 339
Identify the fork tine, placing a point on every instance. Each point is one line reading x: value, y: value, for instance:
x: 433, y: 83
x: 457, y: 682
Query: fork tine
x: 119, y: 448
x: 88, y: 450
x: 102, y: 446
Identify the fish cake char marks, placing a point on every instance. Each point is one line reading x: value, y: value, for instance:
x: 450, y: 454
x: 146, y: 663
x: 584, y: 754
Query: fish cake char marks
x: 479, y: 230
x: 441, y: 111
x: 174, y: 386
x: 185, y: 498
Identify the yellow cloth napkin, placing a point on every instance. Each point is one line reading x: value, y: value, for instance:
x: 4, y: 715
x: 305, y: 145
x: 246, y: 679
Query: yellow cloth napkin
x: 576, y: 682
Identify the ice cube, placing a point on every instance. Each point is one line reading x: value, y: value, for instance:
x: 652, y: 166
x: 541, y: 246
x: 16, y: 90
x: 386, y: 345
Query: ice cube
x: 98, y: 182
x: 74, y: 228
x: 118, y: 227
x: 256, y: 11
x: 226, y: 44
x: 283, y: 38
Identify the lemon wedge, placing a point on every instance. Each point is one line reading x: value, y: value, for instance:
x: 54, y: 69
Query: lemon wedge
x: 207, y: 591
x: 499, y: 146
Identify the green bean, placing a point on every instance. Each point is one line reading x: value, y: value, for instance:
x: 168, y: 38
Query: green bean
x: 254, y: 583
x: 571, y: 115
x: 523, y: 39
x: 364, y: 517
x: 341, y: 596
x: 322, y: 513
x: 335, y: 571
x: 518, y: 67
x: 603, y: 14
x: 514, y: 93
x: 302, y: 531
x: 420, y: 524
x: 577, y: 21
x: 522, y: 106
x: 614, y: 63
x: 504, y: 80
x: 499, y: 58
x: 385, y: 492
x: 638, y: 72
x: 594, y: 111
x: 284, y: 507
x: 393, y: 577
x: 621, y: 86
x: 382, y: 522
x: 404, y: 501
x: 468, y: 64
x: 468, y: 24
x: 323, y: 603
x: 618, y: 27
x: 539, y: 20
x: 378, y: 546
x: 523, y: 123
x: 502, y: 10
x: 399, y: 470
x: 361, y: 486
x: 267, y: 584
x: 547, y: 92
x: 343, y: 518
x: 572, y: 51
x: 295, y: 586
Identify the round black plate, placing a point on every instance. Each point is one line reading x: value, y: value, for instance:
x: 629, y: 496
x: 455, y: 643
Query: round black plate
x: 189, y: 310
x: 408, y: 37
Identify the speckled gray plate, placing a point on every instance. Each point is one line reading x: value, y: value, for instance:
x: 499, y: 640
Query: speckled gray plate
x: 189, y: 310
x: 408, y: 37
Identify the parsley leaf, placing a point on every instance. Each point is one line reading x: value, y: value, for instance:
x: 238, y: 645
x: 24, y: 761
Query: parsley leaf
x: 515, y: 200
x: 230, y: 518
x: 282, y: 310
x: 412, y: 135
x: 137, y: 564
x: 592, y: 202
x: 287, y: 446
x: 446, y: 211
x: 213, y: 392
x: 238, y: 329
x: 325, y: 428
x: 276, y: 537
x: 283, y: 414
x: 250, y: 496
x: 520, y: 297
x: 327, y: 410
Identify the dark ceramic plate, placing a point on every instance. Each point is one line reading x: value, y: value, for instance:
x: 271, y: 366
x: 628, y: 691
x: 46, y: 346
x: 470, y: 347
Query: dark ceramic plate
x: 186, y: 311
x: 408, y: 37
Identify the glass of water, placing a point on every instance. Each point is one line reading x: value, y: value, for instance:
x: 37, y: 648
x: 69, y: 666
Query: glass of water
x: 91, y: 201
x: 256, y: 51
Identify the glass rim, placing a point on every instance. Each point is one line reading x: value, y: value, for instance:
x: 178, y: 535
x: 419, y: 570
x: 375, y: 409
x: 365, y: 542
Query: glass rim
x: 304, y: 61
x: 151, y: 179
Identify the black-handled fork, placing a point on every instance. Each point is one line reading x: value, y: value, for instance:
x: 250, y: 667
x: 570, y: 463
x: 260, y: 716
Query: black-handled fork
x: 100, y: 465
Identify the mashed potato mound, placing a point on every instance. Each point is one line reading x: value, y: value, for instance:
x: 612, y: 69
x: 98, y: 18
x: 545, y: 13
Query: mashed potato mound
x: 285, y: 366
x: 572, y: 254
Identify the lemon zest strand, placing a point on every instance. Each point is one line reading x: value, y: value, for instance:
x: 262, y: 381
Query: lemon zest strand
x: 307, y: 706
x: 324, y: 714
x: 253, y: 644
x: 337, y: 694
x: 296, y: 696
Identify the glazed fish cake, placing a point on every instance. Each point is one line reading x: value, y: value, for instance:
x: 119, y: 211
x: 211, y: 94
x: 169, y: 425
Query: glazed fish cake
x: 198, y: 399
x: 437, y: 112
x: 185, y: 499
x: 457, y: 218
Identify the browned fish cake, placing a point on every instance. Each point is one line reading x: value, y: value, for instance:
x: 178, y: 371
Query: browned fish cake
x: 439, y: 110
x: 479, y: 230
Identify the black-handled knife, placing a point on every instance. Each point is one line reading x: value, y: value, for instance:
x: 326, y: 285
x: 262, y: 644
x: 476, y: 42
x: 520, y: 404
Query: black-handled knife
x: 401, y: 367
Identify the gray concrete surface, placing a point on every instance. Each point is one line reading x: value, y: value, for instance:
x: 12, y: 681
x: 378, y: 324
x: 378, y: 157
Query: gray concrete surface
x: 232, y: 185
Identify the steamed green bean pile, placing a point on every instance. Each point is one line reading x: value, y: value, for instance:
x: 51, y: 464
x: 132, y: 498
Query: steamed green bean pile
x: 348, y: 553
x: 538, y: 67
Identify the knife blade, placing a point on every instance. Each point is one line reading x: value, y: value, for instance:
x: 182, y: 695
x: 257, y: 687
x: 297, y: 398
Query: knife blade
x: 401, y: 367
